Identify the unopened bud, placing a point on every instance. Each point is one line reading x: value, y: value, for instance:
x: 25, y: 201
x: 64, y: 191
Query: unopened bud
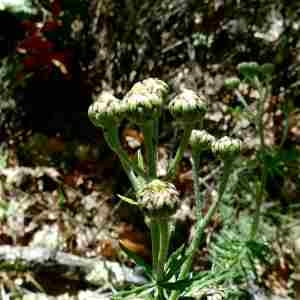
x: 141, y: 105
x: 227, y: 147
x: 187, y: 107
x: 156, y: 86
x: 201, y: 140
x: 159, y: 199
x: 249, y: 69
x: 232, y: 83
x: 106, y: 111
x: 267, y: 70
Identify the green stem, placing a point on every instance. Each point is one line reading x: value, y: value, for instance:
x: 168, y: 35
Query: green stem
x: 244, y: 103
x: 155, y: 239
x: 201, y: 225
x: 263, y: 94
x: 132, y: 178
x: 195, y: 172
x: 111, y: 136
x: 163, y: 252
x: 180, y: 151
x: 258, y: 203
x: 163, y: 247
x: 151, y: 147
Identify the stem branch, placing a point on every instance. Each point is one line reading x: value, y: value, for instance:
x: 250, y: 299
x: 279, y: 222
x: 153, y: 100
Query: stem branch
x: 155, y: 239
x: 263, y: 94
x: 195, y: 171
x: 151, y: 146
x: 180, y: 151
x: 112, y: 138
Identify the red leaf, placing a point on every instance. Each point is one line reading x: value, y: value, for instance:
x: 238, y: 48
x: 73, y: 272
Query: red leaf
x: 51, y: 25
x: 35, y: 44
x: 29, y: 26
x: 56, y: 7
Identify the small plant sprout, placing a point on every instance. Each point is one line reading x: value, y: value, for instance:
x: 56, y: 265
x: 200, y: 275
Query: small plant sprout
x: 259, y: 78
x: 158, y: 198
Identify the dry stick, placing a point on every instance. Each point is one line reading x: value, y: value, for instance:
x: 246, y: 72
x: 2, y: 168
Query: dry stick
x: 39, y: 259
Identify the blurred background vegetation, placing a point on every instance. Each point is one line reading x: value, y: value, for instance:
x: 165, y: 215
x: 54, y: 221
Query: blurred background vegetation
x: 56, y: 54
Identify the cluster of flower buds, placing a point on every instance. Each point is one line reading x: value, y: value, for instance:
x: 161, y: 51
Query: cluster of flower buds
x: 144, y: 102
x: 251, y: 70
x: 225, y: 147
x: 188, y: 107
x: 159, y: 199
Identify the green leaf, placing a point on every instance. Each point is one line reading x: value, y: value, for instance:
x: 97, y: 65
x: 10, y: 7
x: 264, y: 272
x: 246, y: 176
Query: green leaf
x: 133, y: 292
x: 138, y: 260
x: 178, y: 285
x: 140, y: 159
x: 128, y: 200
x: 173, y: 264
x: 258, y: 250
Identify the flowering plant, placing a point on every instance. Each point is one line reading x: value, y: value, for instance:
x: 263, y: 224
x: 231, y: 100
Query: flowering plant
x: 171, y: 274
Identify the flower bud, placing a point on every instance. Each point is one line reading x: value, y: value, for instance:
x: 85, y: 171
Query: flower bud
x: 201, y: 140
x: 156, y: 86
x: 187, y: 107
x: 249, y: 69
x: 142, y: 105
x: 106, y: 111
x: 227, y: 147
x: 267, y: 70
x: 232, y: 83
x: 159, y: 199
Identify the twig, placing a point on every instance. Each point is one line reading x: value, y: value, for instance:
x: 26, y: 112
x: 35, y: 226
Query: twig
x: 93, y: 271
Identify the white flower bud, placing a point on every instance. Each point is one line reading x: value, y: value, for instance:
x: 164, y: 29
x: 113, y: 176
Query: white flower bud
x: 227, y: 147
x: 188, y: 107
x: 201, y: 140
x: 106, y: 111
x: 159, y: 199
